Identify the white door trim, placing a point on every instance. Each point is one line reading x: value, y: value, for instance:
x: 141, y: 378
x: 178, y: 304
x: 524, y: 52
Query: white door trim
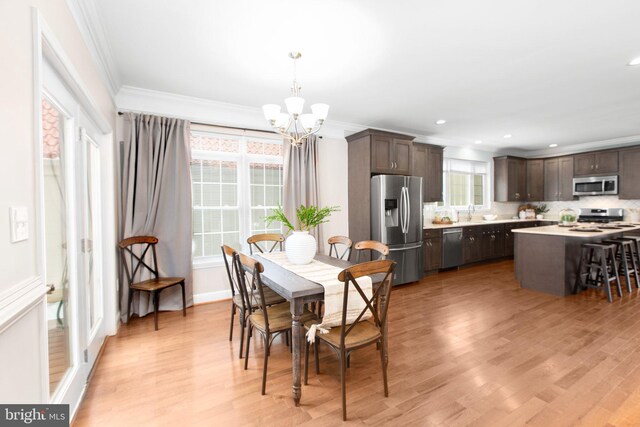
x: 46, y: 46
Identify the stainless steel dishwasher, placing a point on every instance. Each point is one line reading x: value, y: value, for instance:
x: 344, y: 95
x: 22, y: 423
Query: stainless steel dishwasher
x: 451, y: 247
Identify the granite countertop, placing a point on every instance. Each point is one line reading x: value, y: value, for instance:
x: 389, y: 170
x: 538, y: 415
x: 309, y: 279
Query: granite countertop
x: 480, y: 222
x: 556, y: 230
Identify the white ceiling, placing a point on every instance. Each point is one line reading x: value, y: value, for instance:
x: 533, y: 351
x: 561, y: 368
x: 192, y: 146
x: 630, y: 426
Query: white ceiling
x: 546, y: 71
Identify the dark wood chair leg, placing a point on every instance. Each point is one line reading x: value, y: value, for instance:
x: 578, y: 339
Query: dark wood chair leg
x: 156, y: 303
x: 233, y: 313
x: 243, y: 326
x: 306, y: 362
x: 129, y: 304
x: 184, y: 301
x: 348, y: 360
x: 384, y: 369
x: 266, y: 360
x: 343, y: 386
x: 246, y: 354
x: 316, y: 348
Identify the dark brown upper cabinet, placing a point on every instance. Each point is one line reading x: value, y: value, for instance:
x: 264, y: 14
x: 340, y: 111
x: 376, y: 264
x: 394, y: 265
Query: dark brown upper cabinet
x: 427, y: 163
x: 390, y: 153
x: 510, y: 179
x: 535, y: 180
x: 558, y: 179
x: 372, y: 152
x: 598, y: 163
x: 629, y: 185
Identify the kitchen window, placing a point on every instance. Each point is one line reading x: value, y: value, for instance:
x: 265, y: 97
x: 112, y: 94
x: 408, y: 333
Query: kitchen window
x: 236, y: 182
x: 465, y: 183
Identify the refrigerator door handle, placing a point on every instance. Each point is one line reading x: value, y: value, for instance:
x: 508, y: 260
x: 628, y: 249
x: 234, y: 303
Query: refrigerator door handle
x: 402, y: 213
x: 408, y: 209
x: 404, y: 249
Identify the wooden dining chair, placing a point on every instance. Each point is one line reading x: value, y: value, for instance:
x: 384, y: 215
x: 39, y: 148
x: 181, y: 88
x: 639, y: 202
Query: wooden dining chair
x: 372, y: 246
x: 347, y: 338
x: 269, y: 321
x: 238, y: 299
x: 137, y: 262
x: 271, y: 241
x: 340, y: 247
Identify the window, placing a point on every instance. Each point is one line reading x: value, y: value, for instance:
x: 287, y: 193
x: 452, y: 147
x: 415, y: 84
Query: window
x: 236, y: 182
x: 465, y: 183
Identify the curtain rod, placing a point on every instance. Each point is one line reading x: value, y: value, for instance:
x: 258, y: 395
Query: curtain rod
x: 120, y: 113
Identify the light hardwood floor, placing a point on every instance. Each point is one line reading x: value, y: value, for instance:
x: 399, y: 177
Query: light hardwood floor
x: 466, y: 348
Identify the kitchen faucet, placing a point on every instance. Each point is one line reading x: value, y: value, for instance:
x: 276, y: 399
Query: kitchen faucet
x: 472, y: 210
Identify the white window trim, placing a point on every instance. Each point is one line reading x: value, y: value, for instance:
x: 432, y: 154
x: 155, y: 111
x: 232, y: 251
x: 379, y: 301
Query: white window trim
x: 486, y: 188
x: 244, y: 202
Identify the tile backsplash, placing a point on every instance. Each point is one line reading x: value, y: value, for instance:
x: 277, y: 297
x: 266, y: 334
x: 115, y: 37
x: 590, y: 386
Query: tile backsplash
x: 509, y: 209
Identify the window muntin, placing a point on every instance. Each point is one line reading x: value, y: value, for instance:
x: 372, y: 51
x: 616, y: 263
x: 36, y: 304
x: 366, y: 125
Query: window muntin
x: 465, y: 183
x: 236, y: 182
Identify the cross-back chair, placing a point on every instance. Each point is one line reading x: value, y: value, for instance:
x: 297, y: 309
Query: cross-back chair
x: 347, y: 338
x: 239, y: 301
x: 374, y: 247
x: 340, y: 247
x: 270, y: 241
x: 269, y: 321
x: 139, y: 259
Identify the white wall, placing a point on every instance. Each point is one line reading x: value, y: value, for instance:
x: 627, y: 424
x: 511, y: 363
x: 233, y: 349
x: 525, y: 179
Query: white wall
x: 22, y: 340
x: 332, y: 183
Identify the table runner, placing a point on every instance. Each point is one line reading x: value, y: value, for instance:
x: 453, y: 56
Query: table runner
x: 327, y: 276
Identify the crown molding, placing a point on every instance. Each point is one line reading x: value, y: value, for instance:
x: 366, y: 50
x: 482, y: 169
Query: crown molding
x: 218, y: 113
x: 202, y: 110
x: 587, y: 146
x: 88, y: 22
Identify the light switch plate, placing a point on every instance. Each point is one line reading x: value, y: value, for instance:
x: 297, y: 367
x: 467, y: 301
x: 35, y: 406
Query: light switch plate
x: 19, y: 218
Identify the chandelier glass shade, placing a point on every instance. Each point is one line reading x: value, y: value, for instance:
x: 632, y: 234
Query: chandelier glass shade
x: 294, y: 125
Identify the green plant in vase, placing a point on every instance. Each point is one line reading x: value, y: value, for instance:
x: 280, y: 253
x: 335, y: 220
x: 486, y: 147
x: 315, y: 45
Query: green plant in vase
x: 300, y: 246
x: 540, y: 210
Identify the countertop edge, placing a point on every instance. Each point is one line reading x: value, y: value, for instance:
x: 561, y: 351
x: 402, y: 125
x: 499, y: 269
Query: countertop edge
x: 472, y: 224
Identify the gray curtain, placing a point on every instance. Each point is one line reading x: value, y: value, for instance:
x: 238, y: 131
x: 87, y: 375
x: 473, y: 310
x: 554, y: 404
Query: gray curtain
x: 156, y: 200
x: 301, y: 181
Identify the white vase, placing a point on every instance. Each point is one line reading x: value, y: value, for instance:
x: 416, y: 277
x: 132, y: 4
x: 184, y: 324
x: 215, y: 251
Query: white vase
x: 300, y: 247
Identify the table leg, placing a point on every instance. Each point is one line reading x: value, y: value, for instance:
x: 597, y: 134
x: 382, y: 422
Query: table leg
x: 297, y: 308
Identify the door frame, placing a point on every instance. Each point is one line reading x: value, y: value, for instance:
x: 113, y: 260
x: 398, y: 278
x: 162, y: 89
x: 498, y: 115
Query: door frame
x: 47, y: 47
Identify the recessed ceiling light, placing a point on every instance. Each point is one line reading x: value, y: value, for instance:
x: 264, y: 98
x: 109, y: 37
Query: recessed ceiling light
x: 635, y: 61
x: 507, y: 136
x: 478, y: 142
x: 441, y: 122
x: 553, y: 145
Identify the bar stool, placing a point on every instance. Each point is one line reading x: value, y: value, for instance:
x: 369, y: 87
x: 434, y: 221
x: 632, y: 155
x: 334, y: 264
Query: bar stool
x: 626, y: 257
x: 598, y: 267
x: 636, y: 246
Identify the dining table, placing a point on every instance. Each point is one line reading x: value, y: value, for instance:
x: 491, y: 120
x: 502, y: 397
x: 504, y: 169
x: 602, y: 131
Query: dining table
x: 298, y: 291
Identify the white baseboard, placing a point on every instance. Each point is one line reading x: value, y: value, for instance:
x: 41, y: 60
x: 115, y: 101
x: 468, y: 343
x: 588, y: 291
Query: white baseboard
x: 211, y: 296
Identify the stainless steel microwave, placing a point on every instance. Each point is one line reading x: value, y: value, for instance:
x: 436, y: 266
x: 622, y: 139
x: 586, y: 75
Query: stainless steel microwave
x: 595, y: 185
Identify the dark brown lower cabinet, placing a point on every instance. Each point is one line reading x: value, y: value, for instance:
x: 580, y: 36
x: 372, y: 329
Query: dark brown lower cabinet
x: 479, y: 243
x: 491, y: 241
x: 509, y: 238
x: 432, y: 250
x: 471, y: 244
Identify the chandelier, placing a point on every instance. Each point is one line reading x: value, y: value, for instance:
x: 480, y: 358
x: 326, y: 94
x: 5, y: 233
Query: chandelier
x: 293, y: 125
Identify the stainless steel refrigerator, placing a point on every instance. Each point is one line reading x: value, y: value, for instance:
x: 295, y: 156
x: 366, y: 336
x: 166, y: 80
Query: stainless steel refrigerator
x: 396, y: 220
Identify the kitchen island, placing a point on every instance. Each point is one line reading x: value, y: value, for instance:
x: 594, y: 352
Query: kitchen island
x: 547, y: 258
